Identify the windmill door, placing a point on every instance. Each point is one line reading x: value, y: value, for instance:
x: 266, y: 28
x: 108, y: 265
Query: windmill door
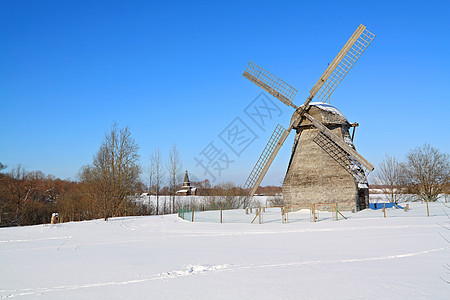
x: 362, y: 199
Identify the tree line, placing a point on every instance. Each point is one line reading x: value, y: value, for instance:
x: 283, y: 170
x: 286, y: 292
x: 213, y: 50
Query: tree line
x: 423, y: 175
x: 105, y: 188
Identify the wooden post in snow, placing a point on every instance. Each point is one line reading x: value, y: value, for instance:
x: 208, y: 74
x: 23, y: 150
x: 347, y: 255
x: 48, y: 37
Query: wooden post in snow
x: 384, y: 209
x: 192, y: 214
x: 259, y: 214
x: 221, y: 214
x: 341, y: 214
x: 255, y: 217
x: 287, y: 214
x: 428, y: 209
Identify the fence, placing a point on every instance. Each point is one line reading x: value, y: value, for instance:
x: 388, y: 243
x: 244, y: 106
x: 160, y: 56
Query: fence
x: 257, y: 215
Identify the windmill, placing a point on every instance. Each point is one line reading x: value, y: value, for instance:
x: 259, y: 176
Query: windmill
x: 324, y: 165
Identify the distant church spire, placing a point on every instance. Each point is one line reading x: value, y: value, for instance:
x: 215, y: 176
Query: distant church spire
x: 187, y: 189
x: 186, y: 179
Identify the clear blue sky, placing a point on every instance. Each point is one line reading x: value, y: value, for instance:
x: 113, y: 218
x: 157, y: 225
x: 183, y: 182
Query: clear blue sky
x: 172, y: 72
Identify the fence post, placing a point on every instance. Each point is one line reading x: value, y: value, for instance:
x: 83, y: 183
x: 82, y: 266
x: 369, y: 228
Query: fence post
x: 259, y: 214
x: 287, y: 214
x: 384, y: 209
x: 221, y: 214
x: 428, y: 210
x: 192, y: 214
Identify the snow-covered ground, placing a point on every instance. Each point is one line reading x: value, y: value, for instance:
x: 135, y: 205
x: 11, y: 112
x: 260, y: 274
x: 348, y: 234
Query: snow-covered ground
x: 366, y: 256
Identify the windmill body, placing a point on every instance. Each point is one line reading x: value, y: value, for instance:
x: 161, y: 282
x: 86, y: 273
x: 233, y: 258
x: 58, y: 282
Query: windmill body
x: 313, y: 175
x: 324, y: 165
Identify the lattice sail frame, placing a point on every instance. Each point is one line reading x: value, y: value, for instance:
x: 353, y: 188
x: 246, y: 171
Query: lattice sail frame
x: 345, y: 65
x: 265, y: 155
x: 271, y: 83
x: 350, y: 164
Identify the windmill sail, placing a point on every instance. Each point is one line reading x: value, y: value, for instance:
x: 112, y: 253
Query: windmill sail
x: 343, y: 62
x: 350, y: 152
x: 271, y: 83
x: 338, y: 68
x: 274, y: 144
x: 350, y: 164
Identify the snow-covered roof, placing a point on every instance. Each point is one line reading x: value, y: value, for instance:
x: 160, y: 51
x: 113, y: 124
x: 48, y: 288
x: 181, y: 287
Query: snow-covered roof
x: 328, y: 107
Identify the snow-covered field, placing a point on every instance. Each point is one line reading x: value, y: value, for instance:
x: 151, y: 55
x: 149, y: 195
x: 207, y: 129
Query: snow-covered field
x: 163, y: 257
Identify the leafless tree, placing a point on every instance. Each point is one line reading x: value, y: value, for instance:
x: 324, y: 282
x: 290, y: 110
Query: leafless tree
x: 174, y: 166
x: 156, y: 165
x: 151, y: 177
x: 114, y: 172
x: 20, y: 189
x: 231, y: 195
x: 26, y: 197
x: 427, y: 171
x: 390, y: 177
x: 276, y: 200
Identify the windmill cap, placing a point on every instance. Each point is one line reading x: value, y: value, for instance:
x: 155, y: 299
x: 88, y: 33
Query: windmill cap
x: 325, y: 113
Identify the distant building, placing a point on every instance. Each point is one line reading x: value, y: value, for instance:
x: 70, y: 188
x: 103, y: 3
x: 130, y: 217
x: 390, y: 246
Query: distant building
x: 187, y: 189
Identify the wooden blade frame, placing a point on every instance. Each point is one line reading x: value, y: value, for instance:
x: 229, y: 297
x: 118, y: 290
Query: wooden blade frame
x: 366, y: 164
x: 269, y: 153
x: 361, y: 38
x: 345, y: 59
x: 270, y: 83
x: 351, y: 165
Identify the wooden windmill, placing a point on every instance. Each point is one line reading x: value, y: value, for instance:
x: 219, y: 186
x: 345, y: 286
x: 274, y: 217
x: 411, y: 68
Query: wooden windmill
x: 324, y: 165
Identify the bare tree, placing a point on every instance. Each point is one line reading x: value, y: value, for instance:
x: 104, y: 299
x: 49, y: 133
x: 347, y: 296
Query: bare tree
x: 174, y: 166
x: 231, y: 195
x: 156, y: 165
x: 26, y: 197
x: 114, y: 172
x: 390, y: 177
x: 151, y: 175
x: 20, y: 190
x: 276, y: 200
x: 427, y: 171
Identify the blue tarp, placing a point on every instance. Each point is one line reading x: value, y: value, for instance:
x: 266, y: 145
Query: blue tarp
x: 380, y: 205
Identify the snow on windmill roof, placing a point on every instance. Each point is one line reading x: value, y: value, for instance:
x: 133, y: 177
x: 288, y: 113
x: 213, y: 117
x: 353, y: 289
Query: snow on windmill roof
x: 328, y: 107
x: 326, y: 114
